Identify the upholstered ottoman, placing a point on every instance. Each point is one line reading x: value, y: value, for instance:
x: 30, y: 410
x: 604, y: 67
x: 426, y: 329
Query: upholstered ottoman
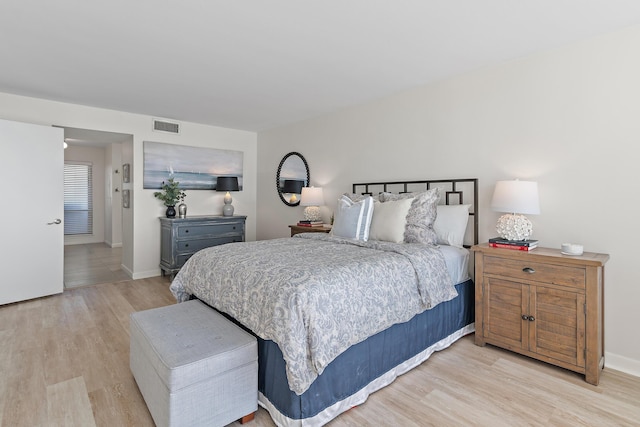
x: 193, y: 366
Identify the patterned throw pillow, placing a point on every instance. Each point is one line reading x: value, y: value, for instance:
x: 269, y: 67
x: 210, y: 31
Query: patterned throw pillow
x: 421, y: 216
x: 353, y: 219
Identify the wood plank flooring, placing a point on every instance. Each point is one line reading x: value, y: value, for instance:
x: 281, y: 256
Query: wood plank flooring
x: 64, y: 361
x: 92, y: 263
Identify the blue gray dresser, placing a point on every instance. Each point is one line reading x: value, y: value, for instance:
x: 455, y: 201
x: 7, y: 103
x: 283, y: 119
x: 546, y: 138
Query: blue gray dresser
x: 182, y: 237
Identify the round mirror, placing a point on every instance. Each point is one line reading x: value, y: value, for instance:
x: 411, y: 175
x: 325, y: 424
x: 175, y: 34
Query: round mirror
x: 293, y: 174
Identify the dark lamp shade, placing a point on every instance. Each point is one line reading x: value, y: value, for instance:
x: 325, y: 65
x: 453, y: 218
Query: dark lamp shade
x: 227, y: 183
x: 293, y: 186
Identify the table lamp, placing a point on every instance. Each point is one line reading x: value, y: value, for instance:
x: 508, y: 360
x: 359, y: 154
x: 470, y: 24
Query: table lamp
x: 312, y: 198
x: 227, y: 183
x: 517, y: 198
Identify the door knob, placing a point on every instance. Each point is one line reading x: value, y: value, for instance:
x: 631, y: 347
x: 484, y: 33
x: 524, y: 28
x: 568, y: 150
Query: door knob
x: 57, y: 221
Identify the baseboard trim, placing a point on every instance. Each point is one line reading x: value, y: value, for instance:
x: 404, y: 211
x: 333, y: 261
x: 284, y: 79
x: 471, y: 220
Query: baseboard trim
x: 622, y: 364
x: 146, y: 274
x: 127, y: 270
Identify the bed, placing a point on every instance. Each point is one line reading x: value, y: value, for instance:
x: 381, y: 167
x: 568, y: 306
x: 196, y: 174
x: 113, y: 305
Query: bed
x: 337, y: 316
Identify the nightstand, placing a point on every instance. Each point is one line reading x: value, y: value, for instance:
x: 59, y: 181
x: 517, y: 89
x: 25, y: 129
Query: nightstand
x: 542, y: 304
x: 296, y: 229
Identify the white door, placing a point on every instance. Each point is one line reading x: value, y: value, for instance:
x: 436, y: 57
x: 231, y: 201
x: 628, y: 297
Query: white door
x: 32, y: 180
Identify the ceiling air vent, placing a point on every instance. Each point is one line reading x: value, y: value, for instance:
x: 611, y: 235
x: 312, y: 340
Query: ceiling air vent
x: 165, y: 126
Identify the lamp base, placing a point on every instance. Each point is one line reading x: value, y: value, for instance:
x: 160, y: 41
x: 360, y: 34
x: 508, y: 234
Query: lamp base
x: 227, y: 210
x: 312, y: 213
x: 514, y: 227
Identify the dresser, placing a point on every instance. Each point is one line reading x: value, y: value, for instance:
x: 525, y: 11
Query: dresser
x: 542, y: 304
x: 182, y: 237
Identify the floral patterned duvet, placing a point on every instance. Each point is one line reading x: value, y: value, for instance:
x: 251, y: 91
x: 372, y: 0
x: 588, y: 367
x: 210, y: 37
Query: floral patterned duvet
x: 316, y: 295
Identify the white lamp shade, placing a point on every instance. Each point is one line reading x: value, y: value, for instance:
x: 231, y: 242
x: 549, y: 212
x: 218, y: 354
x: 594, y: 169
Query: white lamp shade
x: 311, y: 196
x: 516, y: 197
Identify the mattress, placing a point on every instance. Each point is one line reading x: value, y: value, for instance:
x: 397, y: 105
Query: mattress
x: 457, y: 260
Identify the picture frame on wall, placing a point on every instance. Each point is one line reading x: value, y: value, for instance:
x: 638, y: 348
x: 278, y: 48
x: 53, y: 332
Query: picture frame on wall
x: 126, y: 172
x: 195, y: 168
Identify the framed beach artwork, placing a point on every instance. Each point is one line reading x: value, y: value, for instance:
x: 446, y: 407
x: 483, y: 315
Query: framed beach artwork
x: 195, y: 168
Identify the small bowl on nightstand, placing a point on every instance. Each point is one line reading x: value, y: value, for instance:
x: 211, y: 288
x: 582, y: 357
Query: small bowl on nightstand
x: 571, y: 249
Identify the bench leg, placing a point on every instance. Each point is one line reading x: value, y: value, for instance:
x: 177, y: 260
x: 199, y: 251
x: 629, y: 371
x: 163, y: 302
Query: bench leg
x: 247, y: 418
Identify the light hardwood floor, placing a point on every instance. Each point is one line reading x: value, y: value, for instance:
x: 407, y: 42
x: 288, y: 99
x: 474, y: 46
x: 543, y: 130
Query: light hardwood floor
x: 92, y: 263
x: 64, y: 361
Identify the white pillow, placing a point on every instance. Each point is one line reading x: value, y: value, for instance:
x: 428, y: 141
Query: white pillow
x: 353, y: 219
x: 451, y: 224
x: 389, y: 220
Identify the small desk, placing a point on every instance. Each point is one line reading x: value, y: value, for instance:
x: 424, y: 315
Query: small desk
x: 297, y: 229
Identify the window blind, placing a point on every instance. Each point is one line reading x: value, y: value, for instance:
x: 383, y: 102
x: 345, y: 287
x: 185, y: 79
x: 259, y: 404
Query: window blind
x: 78, y: 198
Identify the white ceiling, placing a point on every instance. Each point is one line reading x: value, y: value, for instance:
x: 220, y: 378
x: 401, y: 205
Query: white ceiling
x: 258, y: 64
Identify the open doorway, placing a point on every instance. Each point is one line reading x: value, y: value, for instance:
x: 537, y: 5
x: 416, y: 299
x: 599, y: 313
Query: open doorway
x: 94, y: 246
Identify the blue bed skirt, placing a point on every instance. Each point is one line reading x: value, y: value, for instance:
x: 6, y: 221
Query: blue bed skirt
x: 363, y: 364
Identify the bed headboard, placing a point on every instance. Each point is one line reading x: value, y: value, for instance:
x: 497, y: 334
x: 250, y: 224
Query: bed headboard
x: 453, y: 192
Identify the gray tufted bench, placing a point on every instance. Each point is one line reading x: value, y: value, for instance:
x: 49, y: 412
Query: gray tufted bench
x: 193, y: 366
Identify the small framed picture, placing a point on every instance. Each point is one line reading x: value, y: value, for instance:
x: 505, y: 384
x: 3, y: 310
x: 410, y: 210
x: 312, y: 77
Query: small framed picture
x: 126, y: 172
x: 126, y: 198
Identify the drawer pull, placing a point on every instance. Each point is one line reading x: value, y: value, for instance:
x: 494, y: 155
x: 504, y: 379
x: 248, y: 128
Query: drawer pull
x: 528, y: 270
x: 531, y: 318
x: 186, y: 231
x: 186, y: 245
x: 527, y: 317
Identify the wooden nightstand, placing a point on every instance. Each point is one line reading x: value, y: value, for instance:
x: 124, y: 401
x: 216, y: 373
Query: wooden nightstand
x: 296, y: 229
x: 542, y: 304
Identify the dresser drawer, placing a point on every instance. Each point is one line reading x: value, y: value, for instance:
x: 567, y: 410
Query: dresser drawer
x: 195, y: 231
x: 196, y: 244
x: 540, y: 272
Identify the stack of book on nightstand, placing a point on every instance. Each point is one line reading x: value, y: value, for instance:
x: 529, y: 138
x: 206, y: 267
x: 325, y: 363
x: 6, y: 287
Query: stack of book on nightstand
x: 305, y: 223
x: 516, y: 245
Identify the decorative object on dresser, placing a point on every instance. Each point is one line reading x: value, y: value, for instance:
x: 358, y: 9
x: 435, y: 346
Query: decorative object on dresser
x: 312, y: 198
x: 227, y: 183
x: 516, y: 198
x: 180, y: 238
x: 170, y: 195
x: 182, y: 210
x: 544, y: 305
x: 297, y: 229
x: 571, y: 249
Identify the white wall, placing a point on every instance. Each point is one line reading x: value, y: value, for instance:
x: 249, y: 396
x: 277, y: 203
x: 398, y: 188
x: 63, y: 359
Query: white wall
x: 141, y: 227
x: 568, y: 118
x: 113, y: 195
x: 95, y: 156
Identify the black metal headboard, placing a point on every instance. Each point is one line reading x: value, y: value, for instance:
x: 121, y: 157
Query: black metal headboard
x: 456, y: 192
